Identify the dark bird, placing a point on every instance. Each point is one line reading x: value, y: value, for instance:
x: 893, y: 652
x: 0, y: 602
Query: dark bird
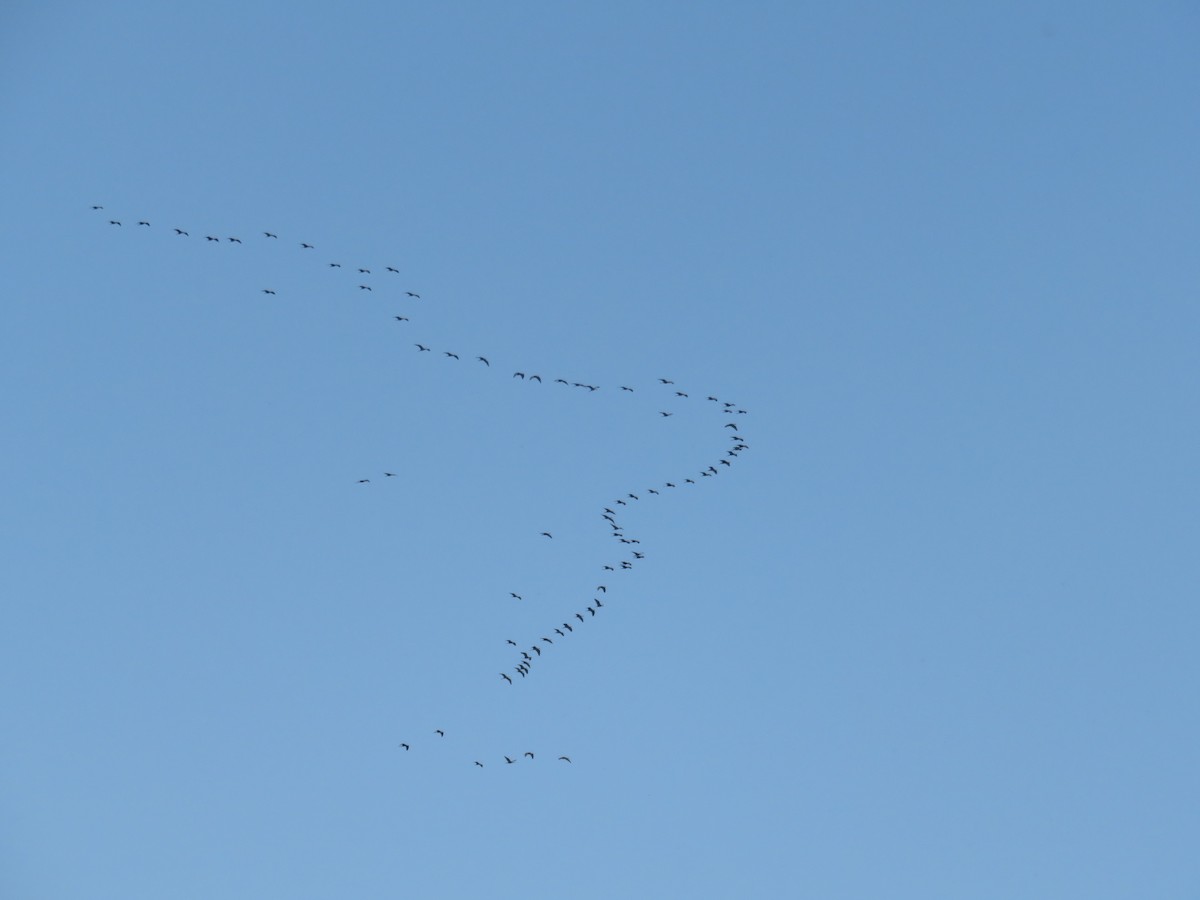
x: 402, y: 318
x: 669, y: 484
x: 506, y: 678
x: 510, y: 641
x: 390, y: 474
x: 567, y: 758
x: 113, y: 222
x: 711, y: 469
x: 231, y: 240
x: 680, y: 394
x: 530, y: 755
x: 561, y: 381
x: 335, y: 265
x: 609, y: 569
x: 97, y: 207
x: 405, y: 746
x: 147, y: 224
x: 728, y: 405
x: 592, y: 611
x: 666, y: 381
x: 306, y: 246
x: 181, y: 231
x: 448, y: 353
x: 365, y: 271
x: 266, y: 291
x: 547, y: 640
x: 536, y: 649
x: 537, y: 378
x: 611, y: 512
x: 268, y: 234
x: 601, y: 587
x: 652, y: 490
x: 209, y: 237
x: 724, y: 462
x: 579, y: 617
x: 714, y: 399
x: 518, y: 596
x: 390, y: 269
x: 689, y: 481
x: 547, y: 534
x: 364, y: 481
x: 520, y: 671
x: 560, y: 632
x: 637, y: 555
x: 598, y: 603
x: 567, y: 626
x: 477, y: 762
x: 484, y: 361
x: 508, y: 760
x: 634, y: 496
x: 730, y: 425
x: 411, y: 294
x: 364, y: 287
x: 666, y: 414
x: 518, y: 375
x: 592, y: 387
x: 439, y: 732
x: 626, y: 388
x: 422, y: 348
x: 528, y: 658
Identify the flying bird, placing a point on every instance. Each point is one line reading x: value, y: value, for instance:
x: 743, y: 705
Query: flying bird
x: 567, y: 758
x: 567, y: 626
x: 405, y: 746
x: 508, y: 760
x: 390, y: 474
x: 411, y: 294
x: 439, y: 731
x: 537, y: 378
x: 306, y: 246
x: 335, y: 265
x: 506, y: 678
x: 536, y: 649
x: 147, y: 224
x: 364, y: 287
x: 390, y: 269
x: 626, y: 388
x: 547, y: 640
x: 266, y: 291
x: 113, y: 222
x: 666, y: 381
x: 518, y: 596
x: 422, y: 348
x: 181, y: 231
x: 530, y: 755
x: 97, y: 207
x: 601, y: 587
x: 364, y: 481
x: 477, y: 762
x: 665, y: 414
x: 268, y: 234
x: 510, y: 641
x: 231, y: 240
x: 484, y: 361
x: 579, y: 617
x: 402, y: 318
x: 547, y: 534
x: 680, y: 394
x: 448, y: 353
x: 518, y: 375
x: 209, y: 237
x: 365, y: 271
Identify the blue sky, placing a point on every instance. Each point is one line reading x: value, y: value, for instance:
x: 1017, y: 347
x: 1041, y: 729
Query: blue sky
x: 932, y: 635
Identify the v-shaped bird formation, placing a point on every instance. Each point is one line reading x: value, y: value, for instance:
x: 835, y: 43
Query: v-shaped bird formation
x: 731, y: 446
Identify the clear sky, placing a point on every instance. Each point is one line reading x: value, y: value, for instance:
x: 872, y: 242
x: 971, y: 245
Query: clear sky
x: 931, y: 635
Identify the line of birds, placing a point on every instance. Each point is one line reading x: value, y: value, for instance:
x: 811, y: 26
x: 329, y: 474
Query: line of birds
x: 534, y: 651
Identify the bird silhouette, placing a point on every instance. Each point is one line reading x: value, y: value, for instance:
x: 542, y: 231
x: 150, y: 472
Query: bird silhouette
x: 547, y: 640
x: 598, y: 603
x: 364, y: 481
x: 267, y: 291
x: 510, y: 641
x: 478, y: 763
x: 567, y: 758
x: 364, y: 287
x: 506, y: 678
x: 666, y: 381
x: 422, y: 348
x: 231, y: 240
x: 626, y: 388
x: 484, y: 361
x: 390, y: 474
x: 147, y: 224
x: 579, y: 617
x: 665, y: 414
x: 306, y: 246
x: 181, y: 231
x: 509, y: 760
x: 268, y: 234
x: 405, y: 746
x: 567, y: 625
x: 411, y: 294
x: 448, y: 353
x: 537, y: 378
x: 518, y: 375
x: 390, y: 269
x: 601, y: 587
x: 364, y: 271
x: 335, y: 265
x: 536, y: 649
x: 97, y: 207
x: 518, y: 596
x: 530, y: 755
x: 113, y: 222
x: 439, y: 732
x: 402, y: 318
x: 680, y: 394
x: 209, y: 237
x: 547, y: 534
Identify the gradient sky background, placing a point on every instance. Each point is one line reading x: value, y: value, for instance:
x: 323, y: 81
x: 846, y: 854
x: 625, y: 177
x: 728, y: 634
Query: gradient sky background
x: 932, y: 636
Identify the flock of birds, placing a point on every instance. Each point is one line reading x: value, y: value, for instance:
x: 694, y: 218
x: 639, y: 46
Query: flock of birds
x: 528, y: 656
